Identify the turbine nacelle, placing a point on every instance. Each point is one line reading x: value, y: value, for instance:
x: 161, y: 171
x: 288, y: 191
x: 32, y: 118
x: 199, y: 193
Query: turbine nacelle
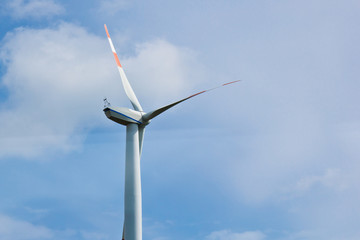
x: 125, y: 116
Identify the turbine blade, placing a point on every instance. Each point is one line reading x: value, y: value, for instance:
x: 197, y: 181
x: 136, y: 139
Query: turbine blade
x: 127, y: 87
x: 150, y: 115
x: 141, y: 138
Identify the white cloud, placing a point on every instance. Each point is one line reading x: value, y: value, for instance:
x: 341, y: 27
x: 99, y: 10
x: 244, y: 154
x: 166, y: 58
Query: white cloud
x: 348, y: 136
x: 153, y: 229
x: 57, y: 79
x: 332, y: 178
x: 229, y: 235
x: 15, y: 229
x: 11, y: 229
x: 164, y: 71
x: 111, y: 7
x: 20, y: 9
x: 94, y: 235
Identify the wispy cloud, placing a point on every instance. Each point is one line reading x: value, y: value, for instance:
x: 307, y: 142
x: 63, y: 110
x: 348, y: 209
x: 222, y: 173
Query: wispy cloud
x: 94, y: 235
x: 15, y: 229
x: 111, y: 7
x: 229, y: 235
x: 167, y: 71
x: 12, y: 229
x: 332, y: 178
x: 20, y: 9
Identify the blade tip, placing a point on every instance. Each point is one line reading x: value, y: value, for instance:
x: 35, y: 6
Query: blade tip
x: 107, y: 33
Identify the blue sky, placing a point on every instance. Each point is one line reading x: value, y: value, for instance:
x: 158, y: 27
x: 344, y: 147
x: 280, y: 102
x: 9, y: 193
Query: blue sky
x: 275, y: 156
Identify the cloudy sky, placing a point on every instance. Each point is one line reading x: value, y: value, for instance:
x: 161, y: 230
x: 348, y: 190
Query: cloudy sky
x: 275, y: 156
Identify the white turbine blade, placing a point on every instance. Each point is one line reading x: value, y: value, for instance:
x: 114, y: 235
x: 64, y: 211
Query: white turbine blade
x: 141, y: 137
x: 128, y: 89
x: 150, y: 115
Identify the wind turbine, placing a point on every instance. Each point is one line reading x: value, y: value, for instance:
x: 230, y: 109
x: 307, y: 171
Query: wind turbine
x: 135, y: 122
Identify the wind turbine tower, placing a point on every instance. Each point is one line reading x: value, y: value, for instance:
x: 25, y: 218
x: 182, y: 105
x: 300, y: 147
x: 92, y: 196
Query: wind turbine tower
x: 135, y: 121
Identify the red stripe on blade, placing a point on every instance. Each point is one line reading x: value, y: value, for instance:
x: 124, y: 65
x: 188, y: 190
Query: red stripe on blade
x: 196, y: 94
x: 117, y: 59
x: 231, y: 82
x: 107, y: 33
